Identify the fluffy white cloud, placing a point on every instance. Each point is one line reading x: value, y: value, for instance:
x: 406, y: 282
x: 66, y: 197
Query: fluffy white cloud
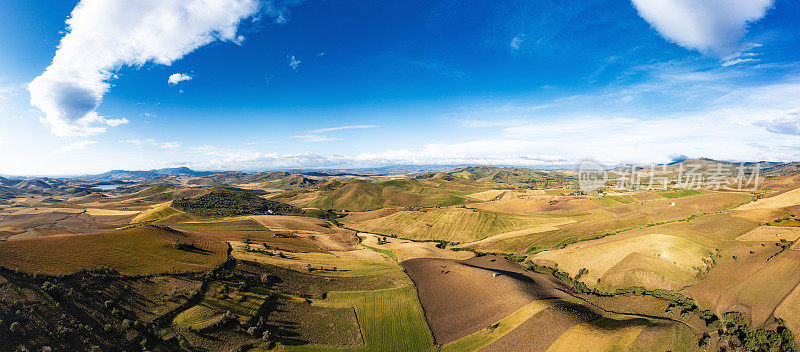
x: 176, y: 78
x: 104, y: 35
x: 711, y: 26
x: 79, y: 145
x: 171, y: 145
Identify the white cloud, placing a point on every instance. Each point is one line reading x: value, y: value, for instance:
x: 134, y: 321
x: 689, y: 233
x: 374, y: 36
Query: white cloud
x: 737, y: 61
x: 735, y: 123
x: 293, y: 62
x: 786, y: 124
x: 140, y: 142
x: 516, y: 42
x: 7, y: 93
x: 315, y: 138
x: 710, y: 26
x: 105, y: 35
x: 79, y: 145
x: 279, y: 9
x: 170, y: 145
x: 339, y: 128
x: 176, y: 78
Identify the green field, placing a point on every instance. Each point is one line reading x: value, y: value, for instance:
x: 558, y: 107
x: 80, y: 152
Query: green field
x: 614, y: 200
x: 382, y: 251
x: 390, y: 320
x: 678, y: 193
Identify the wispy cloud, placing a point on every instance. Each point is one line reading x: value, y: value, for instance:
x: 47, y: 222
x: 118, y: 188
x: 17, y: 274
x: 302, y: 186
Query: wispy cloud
x: 279, y: 9
x: 516, y: 42
x: 7, y: 93
x: 340, y: 128
x: 139, y: 142
x: 787, y: 124
x: 79, y: 145
x: 171, y: 145
x: 438, y: 67
x: 294, y: 63
x: 315, y: 138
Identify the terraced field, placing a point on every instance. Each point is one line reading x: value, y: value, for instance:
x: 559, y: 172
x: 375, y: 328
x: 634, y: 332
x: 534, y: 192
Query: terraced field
x: 449, y: 224
x: 221, y: 297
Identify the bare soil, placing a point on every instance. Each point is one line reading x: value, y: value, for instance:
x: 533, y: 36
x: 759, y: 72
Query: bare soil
x: 462, y: 297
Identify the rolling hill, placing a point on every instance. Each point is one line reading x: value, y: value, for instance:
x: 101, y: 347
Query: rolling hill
x: 363, y: 195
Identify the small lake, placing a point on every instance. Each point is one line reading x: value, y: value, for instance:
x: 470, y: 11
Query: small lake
x: 107, y: 187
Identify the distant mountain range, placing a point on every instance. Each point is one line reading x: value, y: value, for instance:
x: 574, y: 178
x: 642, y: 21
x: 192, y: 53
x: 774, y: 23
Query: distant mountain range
x: 138, y: 176
x: 376, y: 171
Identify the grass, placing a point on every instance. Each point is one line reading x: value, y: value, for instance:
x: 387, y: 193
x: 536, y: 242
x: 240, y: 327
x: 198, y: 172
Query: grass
x: 611, y: 201
x: 390, y: 320
x: 139, y: 250
x: 382, y: 251
x: 156, y: 213
x: 321, y: 263
x: 679, y: 193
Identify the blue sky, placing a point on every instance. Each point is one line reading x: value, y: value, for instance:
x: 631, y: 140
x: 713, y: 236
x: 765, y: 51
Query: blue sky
x: 318, y: 83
